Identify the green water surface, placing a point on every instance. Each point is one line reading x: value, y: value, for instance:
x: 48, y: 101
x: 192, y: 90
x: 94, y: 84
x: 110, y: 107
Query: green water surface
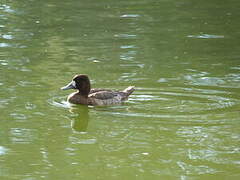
x: 182, y: 122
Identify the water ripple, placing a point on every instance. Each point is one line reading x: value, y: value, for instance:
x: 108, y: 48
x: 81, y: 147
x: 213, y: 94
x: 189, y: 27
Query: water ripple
x: 206, y: 36
x: 7, y: 36
x: 59, y: 101
x: 3, y: 45
x: 82, y: 141
x: 22, y: 135
x: 126, y: 36
x: 130, y: 16
x: 181, y: 104
x: 3, y: 150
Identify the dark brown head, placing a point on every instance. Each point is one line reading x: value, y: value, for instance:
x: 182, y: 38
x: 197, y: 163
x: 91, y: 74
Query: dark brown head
x: 80, y: 82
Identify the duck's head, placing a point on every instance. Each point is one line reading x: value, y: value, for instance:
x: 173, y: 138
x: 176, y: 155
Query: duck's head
x: 80, y: 82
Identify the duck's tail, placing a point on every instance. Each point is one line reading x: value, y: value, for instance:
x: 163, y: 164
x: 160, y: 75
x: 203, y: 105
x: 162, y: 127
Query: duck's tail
x: 129, y: 90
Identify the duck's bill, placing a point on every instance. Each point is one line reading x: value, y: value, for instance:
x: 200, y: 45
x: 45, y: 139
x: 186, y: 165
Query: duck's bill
x: 71, y: 85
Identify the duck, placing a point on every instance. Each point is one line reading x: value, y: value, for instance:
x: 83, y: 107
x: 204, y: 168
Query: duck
x: 96, y: 96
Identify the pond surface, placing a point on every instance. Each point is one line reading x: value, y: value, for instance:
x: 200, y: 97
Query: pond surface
x: 182, y: 122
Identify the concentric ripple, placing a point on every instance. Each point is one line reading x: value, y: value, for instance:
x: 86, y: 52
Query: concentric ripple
x: 59, y: 101
x: 181, y: 104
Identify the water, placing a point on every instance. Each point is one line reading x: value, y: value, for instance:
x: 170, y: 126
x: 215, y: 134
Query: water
x: 182, y: 122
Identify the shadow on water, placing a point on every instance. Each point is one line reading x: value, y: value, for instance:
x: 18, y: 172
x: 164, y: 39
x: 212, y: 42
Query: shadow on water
x: 79, y: 114
x: 80, y: 118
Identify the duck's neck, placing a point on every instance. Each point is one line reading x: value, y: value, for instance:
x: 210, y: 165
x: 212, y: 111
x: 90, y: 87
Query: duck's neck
x: 84, y: 89
x: 83, y: 93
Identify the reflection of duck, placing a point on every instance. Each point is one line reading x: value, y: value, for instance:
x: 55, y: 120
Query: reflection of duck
x: 80, y: 121
x: 86, y: 95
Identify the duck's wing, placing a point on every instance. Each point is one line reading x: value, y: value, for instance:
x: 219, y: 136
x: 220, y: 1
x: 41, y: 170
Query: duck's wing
x: 103, y: 94
x: 98, y: 90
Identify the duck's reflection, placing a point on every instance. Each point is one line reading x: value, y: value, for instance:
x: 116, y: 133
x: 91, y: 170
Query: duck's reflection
x: 80, y: 119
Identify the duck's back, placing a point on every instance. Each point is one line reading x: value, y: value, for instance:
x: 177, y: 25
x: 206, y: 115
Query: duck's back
x: 108, y: 97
